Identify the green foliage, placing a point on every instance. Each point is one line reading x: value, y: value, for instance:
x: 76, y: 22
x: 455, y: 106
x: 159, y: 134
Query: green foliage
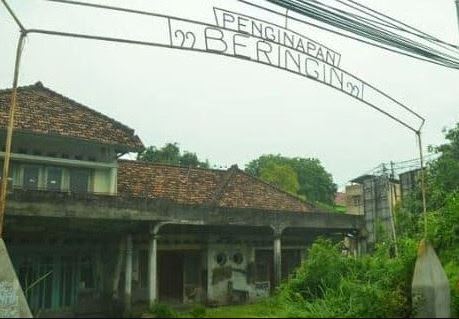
x: 163, y: 311
x: 331, y: 208
x: 170, y: 154
x: 452, y: 271
x: 330, y: 284
x: 443, y: 225
x: 198, y: 312
x: 268, y: 308
x: 315, y: 183
x: 443, y: 205
x: 282, y: 176
x: 444, y: 172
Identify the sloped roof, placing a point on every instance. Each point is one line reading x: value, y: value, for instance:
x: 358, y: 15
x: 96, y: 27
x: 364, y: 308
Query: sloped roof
x: 43, y: 111
x: 196, y: 186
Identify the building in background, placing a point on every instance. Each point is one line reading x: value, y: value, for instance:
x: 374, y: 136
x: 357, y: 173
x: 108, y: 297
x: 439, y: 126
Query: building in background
x: 374, y: 197
x: 87, y: 231
x: 410, y: 181
x: 354, y: 199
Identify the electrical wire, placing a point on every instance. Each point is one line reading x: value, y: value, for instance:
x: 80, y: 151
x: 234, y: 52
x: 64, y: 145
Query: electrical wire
x: 322, y: 13
x: 359, y: 39
x: 375, y: 29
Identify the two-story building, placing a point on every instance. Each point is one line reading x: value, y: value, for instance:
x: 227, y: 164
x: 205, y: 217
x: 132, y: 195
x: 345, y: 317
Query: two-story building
x: 87, y: 231
x: 374, y: 197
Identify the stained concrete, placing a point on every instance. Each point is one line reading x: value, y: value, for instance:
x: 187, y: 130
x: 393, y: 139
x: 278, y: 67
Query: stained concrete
x: 13, y: 303
x: 430, y: 286
x: 62, y: 205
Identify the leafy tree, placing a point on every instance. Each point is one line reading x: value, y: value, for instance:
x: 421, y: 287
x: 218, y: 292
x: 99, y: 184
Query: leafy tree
x: 315, y: 183
x: 282, y: 176
x: 191, y: 159
x: 443, y: 173
x: 170, y: 154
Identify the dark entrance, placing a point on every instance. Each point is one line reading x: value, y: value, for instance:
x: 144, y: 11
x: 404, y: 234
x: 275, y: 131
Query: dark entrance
x: 264, y: 266
x: 264, y: 261
x: 170, y: 272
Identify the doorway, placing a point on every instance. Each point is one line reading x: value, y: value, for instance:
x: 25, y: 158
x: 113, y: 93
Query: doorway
x: 170, y: 275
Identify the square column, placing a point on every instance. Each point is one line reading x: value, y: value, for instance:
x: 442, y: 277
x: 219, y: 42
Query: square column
x: 128, y: 275
x: 277, y: 259
x: 152, y: 269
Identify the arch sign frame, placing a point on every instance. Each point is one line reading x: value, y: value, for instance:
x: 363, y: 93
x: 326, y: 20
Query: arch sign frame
x: 243, y: 37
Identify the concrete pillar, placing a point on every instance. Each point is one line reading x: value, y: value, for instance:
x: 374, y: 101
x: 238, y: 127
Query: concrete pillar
x: 128, y: 275
x: 152, y: 269
x: 277, y: 259
x: 361, y: 246
x: 430, y: 289
x: 117, y: 272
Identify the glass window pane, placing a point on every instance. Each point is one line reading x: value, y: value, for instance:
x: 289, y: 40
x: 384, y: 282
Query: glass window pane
x: 54, y: 178
x: 30, y: 179
x: 79, y: 180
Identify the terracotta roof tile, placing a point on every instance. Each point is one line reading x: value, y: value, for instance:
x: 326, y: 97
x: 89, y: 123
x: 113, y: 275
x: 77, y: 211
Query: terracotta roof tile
x: 43, y: 111
x: 195, y: 186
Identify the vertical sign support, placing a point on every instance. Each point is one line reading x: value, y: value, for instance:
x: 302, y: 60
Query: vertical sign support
x: 423, y: 183
x: 9, y: 134
x: 457, y: 9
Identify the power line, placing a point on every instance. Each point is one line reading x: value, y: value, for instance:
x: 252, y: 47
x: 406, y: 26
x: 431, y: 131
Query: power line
x: 376, y: 33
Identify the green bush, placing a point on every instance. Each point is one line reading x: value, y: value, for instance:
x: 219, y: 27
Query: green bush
x: 330, y: 284
x: 198, y: 312
x: 452, y: 271
x: 163, y: 311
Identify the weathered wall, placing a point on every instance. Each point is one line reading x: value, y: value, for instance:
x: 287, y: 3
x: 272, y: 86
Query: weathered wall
x: 231, y: 272
x: 354, y: 199
x: 12, y: 300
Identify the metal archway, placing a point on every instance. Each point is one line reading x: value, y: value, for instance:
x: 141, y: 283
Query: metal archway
x: 242, y: 37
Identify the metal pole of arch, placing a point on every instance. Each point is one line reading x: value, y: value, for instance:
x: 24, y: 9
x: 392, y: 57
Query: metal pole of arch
x: 457, y: 9
x: 423, y: 182
x: 429, y: 277
x: 9, y: 134
x: 430, y: 289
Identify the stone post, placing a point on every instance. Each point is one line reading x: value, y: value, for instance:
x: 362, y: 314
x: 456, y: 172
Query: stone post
x: 128, y: 275
x: 152, y: 269
x: 117, y: 272
x: 277, y: 257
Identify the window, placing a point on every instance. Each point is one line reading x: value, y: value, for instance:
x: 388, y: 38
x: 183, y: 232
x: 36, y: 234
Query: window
x: 238, y: 258
x: 79, y: 180
x: 30, y: 177
x: 54, y: 178
x: 356, y: 200
x: 221, y: 259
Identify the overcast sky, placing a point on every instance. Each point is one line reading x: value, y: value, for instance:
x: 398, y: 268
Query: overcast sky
x: 231, y: 111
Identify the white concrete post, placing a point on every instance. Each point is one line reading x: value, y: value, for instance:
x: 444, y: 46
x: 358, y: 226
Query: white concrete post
x: 128, y: 274
x: 277, y: 258
x: 117, y: 272
x: 152, y: 269
x: 153, y: 263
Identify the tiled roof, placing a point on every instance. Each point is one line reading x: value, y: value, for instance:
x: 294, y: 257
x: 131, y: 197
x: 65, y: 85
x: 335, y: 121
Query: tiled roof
x: 196, y: 186
x: 43, y: 111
